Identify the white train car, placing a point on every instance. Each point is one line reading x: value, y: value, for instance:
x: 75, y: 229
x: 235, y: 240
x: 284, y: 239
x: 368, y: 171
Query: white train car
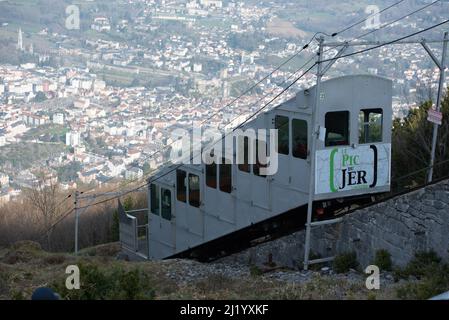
x: 197, y: 210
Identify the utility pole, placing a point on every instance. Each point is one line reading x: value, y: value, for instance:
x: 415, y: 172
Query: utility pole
x: 315, y: 132
x: 442, y: 67
x: 77, y: 216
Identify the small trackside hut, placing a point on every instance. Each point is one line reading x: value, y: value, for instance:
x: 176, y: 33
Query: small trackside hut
x: 193, y: 206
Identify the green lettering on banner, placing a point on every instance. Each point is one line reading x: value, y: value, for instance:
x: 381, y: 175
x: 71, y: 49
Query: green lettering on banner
x: 331, y: 171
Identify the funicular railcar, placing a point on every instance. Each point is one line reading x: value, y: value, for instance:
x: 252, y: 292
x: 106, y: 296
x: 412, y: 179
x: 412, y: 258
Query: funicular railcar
x: 191, y: 206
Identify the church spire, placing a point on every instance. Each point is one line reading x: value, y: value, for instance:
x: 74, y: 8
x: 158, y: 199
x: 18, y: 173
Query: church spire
x: 20, y: 40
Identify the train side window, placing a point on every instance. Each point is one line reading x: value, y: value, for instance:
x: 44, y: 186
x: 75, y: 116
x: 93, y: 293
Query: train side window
x: 259, y: 161
x: 337, y: 128
x: 225, y: 172
x: 299, y: 143
x: 166, y: 204
x: 281, y: 123
x: 370, y: 125
x: 211, y: 175
x: 245, y: 166
x: 194, y: 190
x: 154, y: 193
x: 181, y: 190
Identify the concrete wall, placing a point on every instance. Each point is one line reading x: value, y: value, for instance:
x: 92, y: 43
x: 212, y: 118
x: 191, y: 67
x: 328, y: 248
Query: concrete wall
x: 404, y: 225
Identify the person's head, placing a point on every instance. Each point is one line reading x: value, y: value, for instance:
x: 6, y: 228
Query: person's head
x: 44, y: 294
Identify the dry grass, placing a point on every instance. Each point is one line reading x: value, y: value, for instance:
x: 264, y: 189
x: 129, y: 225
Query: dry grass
x: 35, y: 267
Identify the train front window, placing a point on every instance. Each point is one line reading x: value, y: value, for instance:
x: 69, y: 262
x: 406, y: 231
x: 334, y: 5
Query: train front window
x: 370, y: 125
x: 299, y: 143
x: 166, y: 204
x: 181, y: 190
x: 154, y: 193
x: 281, y: 124
x: 194, y: 190
x: 337, y: 128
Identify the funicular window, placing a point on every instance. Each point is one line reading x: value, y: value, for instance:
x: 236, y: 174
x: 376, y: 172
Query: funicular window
x: 166, y: 204
x: 299, y: 143
x: 260, y: 161
x: 281, y: 123
x: 337, y: 128
x: 211, y: 175
x: 154, y: 194
x: 245, y: 166
x: 370, y: 125
x: 225, y: 172
x: 181, y: 190
x: 194, y: 190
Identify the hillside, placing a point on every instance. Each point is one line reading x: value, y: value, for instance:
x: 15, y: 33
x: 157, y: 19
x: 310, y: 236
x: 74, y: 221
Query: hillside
x: 24, y: 267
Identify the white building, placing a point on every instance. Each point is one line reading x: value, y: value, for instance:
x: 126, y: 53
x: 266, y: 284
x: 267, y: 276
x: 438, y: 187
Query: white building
x: 4, y: 180
x: 72, y: 138
x: 99, y: 85
x: 197, y: 67
x: 101, y: 24
x: 82, y: 103
x: 133, y: 173
x: 211, y: 3
x: 58, y: 118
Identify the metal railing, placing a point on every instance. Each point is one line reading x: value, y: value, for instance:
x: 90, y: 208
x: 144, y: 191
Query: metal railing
x: 142, y: 245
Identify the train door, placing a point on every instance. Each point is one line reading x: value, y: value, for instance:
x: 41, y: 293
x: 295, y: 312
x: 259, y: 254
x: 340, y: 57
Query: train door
x: 299, y: 158
x: 194, y: 209
x: 218, y: 202
x: 260, y: 189
x: 281, y: 123
x: 225, y: 198
x: 190, y: 216
x: 162, y: 225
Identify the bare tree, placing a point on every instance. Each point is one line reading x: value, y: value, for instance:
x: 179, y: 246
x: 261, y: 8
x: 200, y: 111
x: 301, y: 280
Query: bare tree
x: 44, y: 198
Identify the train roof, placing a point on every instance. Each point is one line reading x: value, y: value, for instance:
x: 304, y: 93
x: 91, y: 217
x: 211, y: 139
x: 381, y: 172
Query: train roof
x: 345, y: 91
x: 340, y: 93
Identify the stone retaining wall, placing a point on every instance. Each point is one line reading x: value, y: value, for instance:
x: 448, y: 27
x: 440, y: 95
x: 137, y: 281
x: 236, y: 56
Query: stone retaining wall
x: 417, y: 221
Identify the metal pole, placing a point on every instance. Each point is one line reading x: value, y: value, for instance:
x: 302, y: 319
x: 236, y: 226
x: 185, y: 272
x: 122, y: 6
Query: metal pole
x: 438, y: 106
x: 77, y: 215
x: 312, y: 153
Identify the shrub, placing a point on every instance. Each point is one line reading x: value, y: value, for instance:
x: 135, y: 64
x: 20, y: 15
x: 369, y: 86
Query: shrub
x: 97, y: 284
x: 433, y: 284
x: 54, y: 259
x: 255, y: 271
x: 383, y: 260
x: 17, y: 295
x: 434, y: 277
x: 22, y: 252
x: 422, y: 263
x: 344, y: 262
